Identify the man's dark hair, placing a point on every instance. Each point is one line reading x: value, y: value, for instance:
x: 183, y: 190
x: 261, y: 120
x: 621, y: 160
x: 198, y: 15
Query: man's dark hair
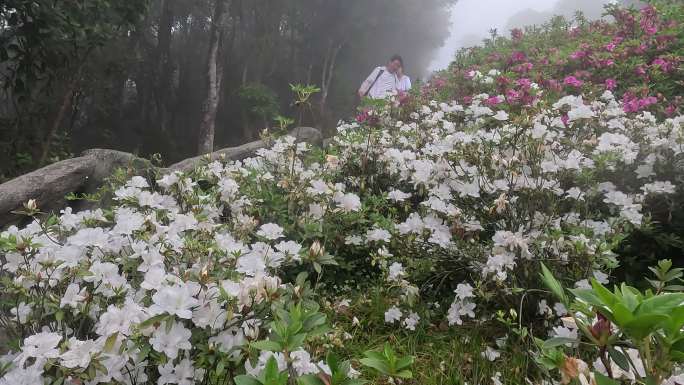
x: 398, y: 58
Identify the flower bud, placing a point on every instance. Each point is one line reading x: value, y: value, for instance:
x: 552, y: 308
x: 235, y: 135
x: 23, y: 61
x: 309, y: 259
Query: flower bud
x: 316, y: 250
x: 601, y: 329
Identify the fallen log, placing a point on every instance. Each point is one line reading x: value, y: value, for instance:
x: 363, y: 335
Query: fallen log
x: 50, y: 185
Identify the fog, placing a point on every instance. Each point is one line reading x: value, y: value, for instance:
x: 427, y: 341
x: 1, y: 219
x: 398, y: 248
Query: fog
x: 471, y: 20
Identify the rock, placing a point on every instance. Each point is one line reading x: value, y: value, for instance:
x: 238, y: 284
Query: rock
x: 302, y: 134
x: 86, y: 173
x: 49, y: 185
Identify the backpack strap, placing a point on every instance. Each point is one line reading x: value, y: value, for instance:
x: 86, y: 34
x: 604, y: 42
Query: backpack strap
x: 374, y: 81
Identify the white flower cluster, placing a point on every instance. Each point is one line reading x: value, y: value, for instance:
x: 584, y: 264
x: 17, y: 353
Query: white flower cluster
x: 183, y: 267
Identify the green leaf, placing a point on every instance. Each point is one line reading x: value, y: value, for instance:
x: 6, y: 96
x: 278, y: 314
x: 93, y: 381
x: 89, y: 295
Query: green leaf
x: 301, y: 278
x: 271, y: 372
x: 379, y: 365
x: 296, y: 341
x: 403, y: 362
x: 389, y: 353
x: 271, y: 346
x: 405, y: 374
x: 603, y: 380
x: 333, y: 362
x: 587, y: 295
x: 354, y: 381
x: 109, y: 343
x: 314, y: 320
x: 151, y: 321
x: 320, y: 330
x: 629, y: 299
x: 309, y: 380
x: 621, y: 315
x: 606, y: 297
x: 246, y: 380
x: 557, y: 341
x: 553, y: 284
x: 675, y: 321
x: 643, y: 325
x: 619, y: 358
x: 663, y: 303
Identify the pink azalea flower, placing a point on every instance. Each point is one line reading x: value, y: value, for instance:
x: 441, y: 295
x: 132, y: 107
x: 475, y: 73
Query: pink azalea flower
x: 670, y: 110
x: 640, y: 70
x: 518, y: 56
x: 572, y: 81
x: 664, y: 65
x: 565, y: 119
x: 611, y: 84
x: 512, y: 96
x: 578, y: 55
x: 493, y: 101
x: 524, y: 83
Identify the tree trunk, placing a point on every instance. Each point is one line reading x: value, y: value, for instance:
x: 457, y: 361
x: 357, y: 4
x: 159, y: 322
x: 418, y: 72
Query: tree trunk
x: 214, y: 75
x: 163, y: 72
x: 327, y: 76
x: 59, y: 117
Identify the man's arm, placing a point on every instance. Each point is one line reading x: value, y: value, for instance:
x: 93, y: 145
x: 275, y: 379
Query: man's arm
x: 366, y: 85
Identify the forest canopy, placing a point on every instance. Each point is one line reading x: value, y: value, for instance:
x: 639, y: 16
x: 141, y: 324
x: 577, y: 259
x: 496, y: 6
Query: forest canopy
x: 137, y: 75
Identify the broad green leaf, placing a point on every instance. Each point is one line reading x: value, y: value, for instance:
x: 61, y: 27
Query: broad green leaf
x: 109, y: 343
x: 553, y: 284
x: 271, y: 372
x: 333, y: 362
x: 296, y: 341
x: 587, y: 295
x: 309, y: 380
x: 603, y: 294
x: 271, y: 346
x: 677, y: 356
x: 603, y: 380
x: 354, y: 381
x: 405, y: 374
x: 319, y: 330
x: 663, y: 303
x: 643, y: 325
x: 629, y: 299
x: 379, y: 365
x: 314, y: 320
x: 152, y: 321
x: 404, y: 362
x: 619, y: 358
x: 557, y: 341
x: 389, y: 353
x: 676, y: 321
x: 621, y: 314
x: 246, y: 380
x: 375, y: 355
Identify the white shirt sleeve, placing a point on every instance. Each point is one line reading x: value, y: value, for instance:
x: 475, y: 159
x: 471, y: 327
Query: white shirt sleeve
x: 366, y: 85
x: 407, y: 83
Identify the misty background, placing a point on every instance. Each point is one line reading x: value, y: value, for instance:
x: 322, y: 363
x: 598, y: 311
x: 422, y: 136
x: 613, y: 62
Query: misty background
x: 472, y: 20
x: 176, y: 78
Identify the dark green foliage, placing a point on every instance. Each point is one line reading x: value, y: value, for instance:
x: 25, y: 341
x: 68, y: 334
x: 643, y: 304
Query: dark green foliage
x: 131, y: 75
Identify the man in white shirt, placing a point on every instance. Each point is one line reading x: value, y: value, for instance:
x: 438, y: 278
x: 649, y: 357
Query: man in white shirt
x: 383, y: 80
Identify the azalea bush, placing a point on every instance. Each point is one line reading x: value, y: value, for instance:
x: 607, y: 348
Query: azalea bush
x: 635, y: 336
x: 635, y: 53
x: 439, y: 204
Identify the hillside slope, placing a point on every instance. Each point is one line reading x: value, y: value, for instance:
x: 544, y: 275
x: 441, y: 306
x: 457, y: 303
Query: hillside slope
x: 423, y: 225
